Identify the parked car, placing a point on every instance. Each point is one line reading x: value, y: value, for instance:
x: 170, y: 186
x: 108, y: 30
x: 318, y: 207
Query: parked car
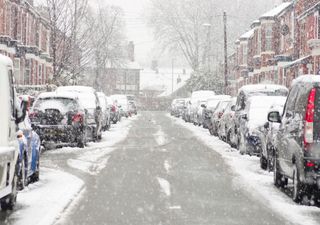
x: 90, y: 102
x: 114, y: 110
x: 226, y: 126
x: 177, y: 107
x: 122, y: 103
x: 252, y: 123
x: 187, y: 110
x: 268, y: 137
x: 209, y: 108
x: 11, y: 115
x: 196, y: 98
x: 60, y: 119
x: 248, y: 91
x: 297, y: 145
x: 217, y: 115
x: 199, y: 120
x: 29, y: 154
x: 105, y: 111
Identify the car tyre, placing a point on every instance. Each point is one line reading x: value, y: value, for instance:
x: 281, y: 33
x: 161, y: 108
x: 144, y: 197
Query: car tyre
x: 22, y: 175
x: 278, y: 179
x: 263, y: 162
x: 36, y: 176
x: 298, y: 189
x: 82, y: 141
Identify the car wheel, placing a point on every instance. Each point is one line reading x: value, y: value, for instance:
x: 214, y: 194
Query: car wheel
x: 82, y: 140
x: 298, y: 189
x: 36, y: 176
x: 278, y: 179
x: 22, y: 175
x: 211, y: 131
x: 9, y: 202
x: 242, y: 145
x: 270, y: 161
x: 263, y: 162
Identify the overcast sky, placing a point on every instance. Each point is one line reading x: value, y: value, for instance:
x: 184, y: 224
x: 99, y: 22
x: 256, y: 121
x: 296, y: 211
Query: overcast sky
x: 137, y: 30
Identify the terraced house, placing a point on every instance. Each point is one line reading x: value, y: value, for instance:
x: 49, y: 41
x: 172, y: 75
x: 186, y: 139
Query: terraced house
x: 25, y: 38
x: 281, y: 45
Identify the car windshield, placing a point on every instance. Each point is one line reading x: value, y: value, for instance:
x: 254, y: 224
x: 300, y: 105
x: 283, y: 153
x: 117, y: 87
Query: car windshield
x: 160, y: 112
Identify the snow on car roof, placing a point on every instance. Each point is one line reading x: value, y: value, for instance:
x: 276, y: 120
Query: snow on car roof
x: 306, y: 79
x: 79, y: 89
x: 219, y: 97
x: 58, y: 95
x: 247, y: 35
x: 276, y: 11
x: 259, y: 87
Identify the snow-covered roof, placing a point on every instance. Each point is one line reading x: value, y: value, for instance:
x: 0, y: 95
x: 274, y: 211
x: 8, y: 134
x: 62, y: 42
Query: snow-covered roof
x: 78, y: 89
x: 247, y: 35
x: 306, y: 79
x: 276, y: 11
x: 258, y: 87
x: 69, y: 95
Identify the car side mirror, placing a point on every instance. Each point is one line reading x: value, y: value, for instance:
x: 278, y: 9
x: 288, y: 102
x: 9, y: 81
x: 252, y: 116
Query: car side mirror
x: 233, y: 108
x: 274, y: 117
x: 203, y: 106
x: 266, y: 125
x: 24, y: 109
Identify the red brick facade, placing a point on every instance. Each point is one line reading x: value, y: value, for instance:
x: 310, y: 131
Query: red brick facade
x: 24, y: 37
x: 285, y: 44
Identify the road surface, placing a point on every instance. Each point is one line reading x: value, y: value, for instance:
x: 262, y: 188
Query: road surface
x: 161, y: 174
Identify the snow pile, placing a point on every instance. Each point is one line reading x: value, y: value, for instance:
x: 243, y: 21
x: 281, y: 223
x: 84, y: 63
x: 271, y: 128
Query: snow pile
x: 42, y: 203
x: 257, y: 182
x: 96, y: 155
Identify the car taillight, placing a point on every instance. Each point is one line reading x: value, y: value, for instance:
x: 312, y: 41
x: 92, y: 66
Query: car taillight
x: 78, y: 118
x: 309, y: 118
x: 33, y: 115
x: 220, y: 114
x: 113, y: 108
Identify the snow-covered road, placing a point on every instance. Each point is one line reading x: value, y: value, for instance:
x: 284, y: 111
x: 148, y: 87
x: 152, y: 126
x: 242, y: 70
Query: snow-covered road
x: 257, y: 182
x: 45, y: 202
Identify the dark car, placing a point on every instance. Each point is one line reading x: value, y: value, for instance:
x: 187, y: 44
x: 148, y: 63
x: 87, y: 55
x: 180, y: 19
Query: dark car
x: 297, y: 145
x: 59, y: 119
x: 216, y: 116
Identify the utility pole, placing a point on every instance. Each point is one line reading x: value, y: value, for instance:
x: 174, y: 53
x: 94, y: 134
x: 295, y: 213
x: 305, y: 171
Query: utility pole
x: 225, y: 52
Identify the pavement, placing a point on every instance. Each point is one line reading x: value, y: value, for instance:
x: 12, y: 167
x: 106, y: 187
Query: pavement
x: 161, y: 175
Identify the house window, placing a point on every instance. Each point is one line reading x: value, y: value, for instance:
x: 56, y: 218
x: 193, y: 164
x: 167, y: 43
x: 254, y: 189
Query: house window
x: 27, y: 72
x: 40, y: 75
x: 259, y: 42
x: 245, y: 54
x: 268, y: 38
x: 16, y: 64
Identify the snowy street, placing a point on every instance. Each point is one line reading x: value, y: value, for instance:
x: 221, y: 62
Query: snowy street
x: 163, y: 172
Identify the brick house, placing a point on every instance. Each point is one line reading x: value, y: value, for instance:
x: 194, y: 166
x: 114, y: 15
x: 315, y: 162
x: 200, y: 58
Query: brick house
x: 24, y: 37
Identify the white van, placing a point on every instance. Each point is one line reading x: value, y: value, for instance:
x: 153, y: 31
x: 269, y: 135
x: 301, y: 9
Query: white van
x: 10, y: 116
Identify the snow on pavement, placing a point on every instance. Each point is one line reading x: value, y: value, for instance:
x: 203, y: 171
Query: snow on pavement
x: 43, y: 202
x: 258, y: 182
x: 165, y: 186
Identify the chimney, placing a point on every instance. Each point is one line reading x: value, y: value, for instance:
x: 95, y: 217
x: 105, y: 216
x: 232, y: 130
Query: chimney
x: 131, y: 51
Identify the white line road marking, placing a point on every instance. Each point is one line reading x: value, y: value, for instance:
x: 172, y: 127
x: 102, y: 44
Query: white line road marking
x: 165, y: 186
x: 167, y: 166
x: 160, y: 137
x: 175, y: 207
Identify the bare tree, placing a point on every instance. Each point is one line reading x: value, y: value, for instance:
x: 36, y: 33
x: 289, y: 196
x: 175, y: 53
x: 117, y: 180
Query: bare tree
x: 66, y: 37
x: 108, y: 42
